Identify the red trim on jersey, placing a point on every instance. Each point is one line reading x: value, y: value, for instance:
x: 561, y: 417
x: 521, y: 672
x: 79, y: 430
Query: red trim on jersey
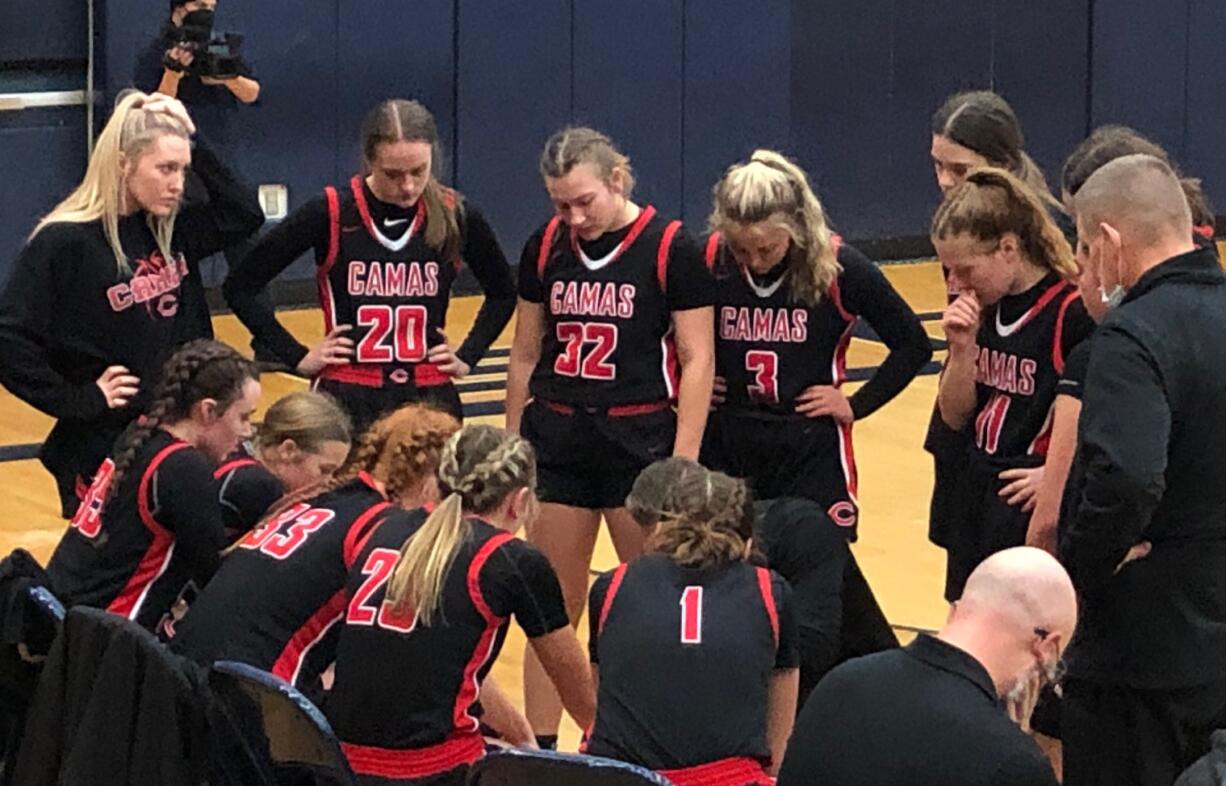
x: 615, y: 584
x: 230, y: 466
x: 359, y: 533
x: 836, y: 297
x: 740, y: 771
x: 712, y: 250
x: 847, y: 452
x: 353, y: 374
x: 669, y: 365
x: 621, y: 411
x: 428, y: 375
x: 322, y: 282
x: 1039, y: 305
x: 542, y: 256
x: 289, y: 662
x: 359, y: 198
x: 412, y: 763
x: 662, y: 254
x: 485, y: 645
x: 1042, y: 441
x: 156, y: 559
x: 1057, y: 348
x: 636, y: 229
x: 768, y: 600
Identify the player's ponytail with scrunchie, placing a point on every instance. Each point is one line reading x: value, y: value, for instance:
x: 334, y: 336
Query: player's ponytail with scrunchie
x: 772, y: 188
x: 480, y: 466
x: 401, y: 120
x: 993, y: 202
x: 701, y: 518
x: 200, y: 370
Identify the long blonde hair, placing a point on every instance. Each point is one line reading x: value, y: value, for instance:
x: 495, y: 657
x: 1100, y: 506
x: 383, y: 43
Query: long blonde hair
x: 480, y: 466
x: 770, y: 187
x: 994, y: 201
x: 129, y: 133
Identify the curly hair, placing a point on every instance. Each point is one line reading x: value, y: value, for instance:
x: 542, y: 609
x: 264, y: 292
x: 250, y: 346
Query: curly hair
x: 200, y: 370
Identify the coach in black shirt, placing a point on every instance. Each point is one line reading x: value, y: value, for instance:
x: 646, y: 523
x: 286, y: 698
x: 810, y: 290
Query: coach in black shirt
x: 1144, y: 531
x: 932, y: 713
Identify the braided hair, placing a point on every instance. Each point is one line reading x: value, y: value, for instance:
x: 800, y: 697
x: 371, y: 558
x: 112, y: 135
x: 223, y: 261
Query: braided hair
x: 480, y: 466
x: 200, y: 370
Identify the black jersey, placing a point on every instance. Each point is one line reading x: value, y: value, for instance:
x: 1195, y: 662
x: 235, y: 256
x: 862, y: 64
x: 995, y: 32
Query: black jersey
x: 686, y: 658
x: 404, y: 693
x: 1023, y: 343
x: 135, y: 552
x: 275, y: 602
x: 608, y: 309
x: 769, y: 348
x: 245, y: 490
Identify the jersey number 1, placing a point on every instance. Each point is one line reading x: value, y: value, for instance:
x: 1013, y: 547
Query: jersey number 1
x: 378, y: 569
x: 691, y: 615
x: 576, y: 335
x: 407, y: 324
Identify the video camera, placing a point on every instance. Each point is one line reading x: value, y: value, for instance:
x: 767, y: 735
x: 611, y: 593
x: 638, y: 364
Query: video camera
x: 216, y: 55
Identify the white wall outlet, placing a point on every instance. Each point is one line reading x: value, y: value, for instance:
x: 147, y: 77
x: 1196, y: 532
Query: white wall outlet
x: 274, y: 200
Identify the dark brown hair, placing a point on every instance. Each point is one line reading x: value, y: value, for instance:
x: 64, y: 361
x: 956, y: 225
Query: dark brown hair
x: 400, y: 120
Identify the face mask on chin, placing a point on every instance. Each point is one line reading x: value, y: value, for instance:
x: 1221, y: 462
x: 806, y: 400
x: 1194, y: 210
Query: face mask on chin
x: 1115, y: 296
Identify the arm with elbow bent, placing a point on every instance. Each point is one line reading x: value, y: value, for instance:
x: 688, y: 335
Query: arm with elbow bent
x: 525, y: 354
x: 504, y: 717
x: 956, y: 396
x: 567, y: 666
x: 781, y: 713
x: 695, y: 336
x: 1041, y: 532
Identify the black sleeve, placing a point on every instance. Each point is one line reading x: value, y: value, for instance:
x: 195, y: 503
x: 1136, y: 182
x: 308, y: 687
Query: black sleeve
x: 867, y: 293
x: 804, y: 546
x: 1025, y: 768
x: 1072, y: 381
x: 1076, y: 327
x: 519, y: 580
x: 690, y: 284
x: 529, y: 281
x: 232, y: 213
x: 786, y: 655
x: 484, y: 257
x: 595, y: 603
x: 183, y: 496
x: 29, y: 306
x: 305, y: 229
x: 1123, y: 438
x: 245, y: 495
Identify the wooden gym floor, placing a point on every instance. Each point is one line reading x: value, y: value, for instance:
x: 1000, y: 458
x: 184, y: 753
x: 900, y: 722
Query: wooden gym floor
x: 904, y: 569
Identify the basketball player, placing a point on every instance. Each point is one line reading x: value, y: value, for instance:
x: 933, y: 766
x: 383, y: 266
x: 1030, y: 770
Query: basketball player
x: 430, y: 600
x: 696, y: 648
x: 275, y: 602
x: 388, y: 247
x: 302, y: 439
x: 614, y: 325
x: 1016, y: 320
x: 149, y: 523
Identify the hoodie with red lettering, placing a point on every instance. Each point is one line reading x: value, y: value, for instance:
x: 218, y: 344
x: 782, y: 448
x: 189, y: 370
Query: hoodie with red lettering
x: 67, y: 312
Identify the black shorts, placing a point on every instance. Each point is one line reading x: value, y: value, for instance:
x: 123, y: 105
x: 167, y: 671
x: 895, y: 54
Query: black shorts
x: 949, y: 451
x: 980, y: 523
x: 589, y: 459
x: 366, y: 404
x: 784, y: 456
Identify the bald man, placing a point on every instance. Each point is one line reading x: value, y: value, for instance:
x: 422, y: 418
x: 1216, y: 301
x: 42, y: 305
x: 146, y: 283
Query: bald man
x: 1144, y: 528
x: 932, y: 712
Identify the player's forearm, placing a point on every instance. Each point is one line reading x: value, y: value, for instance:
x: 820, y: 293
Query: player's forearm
x: 1056, y: 467
x: 504, y: 717
x: 693, y: 405
x: 781, y: 713
x: 169, y: 85
x: 519, y: 371
x: 956, y: 397
x: 244, y: 89
x: 563, y: 659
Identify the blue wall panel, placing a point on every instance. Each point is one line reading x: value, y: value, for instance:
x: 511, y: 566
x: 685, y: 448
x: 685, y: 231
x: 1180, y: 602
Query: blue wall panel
x: 628, y: 83
x: 514, y: 91
x: 1205, y: 153
x: 393, y: 49
x: 736, y: 91
x: 43, y: 30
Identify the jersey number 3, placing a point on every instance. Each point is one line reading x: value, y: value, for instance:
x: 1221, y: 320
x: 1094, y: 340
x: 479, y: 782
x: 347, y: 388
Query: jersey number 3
x: 764, y: 365
x: 377, y: 570
x: 592, y: 364
x: 407, y: 324
x: 302, y: 520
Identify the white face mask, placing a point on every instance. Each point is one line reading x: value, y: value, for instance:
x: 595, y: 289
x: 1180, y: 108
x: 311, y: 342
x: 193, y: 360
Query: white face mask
x: 1113, y: 298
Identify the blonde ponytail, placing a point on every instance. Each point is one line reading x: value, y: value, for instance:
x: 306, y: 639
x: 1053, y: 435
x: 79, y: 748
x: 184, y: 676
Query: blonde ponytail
x: 417, y: 580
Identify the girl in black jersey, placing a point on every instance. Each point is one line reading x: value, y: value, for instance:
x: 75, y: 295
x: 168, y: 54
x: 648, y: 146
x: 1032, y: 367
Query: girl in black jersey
x: 430, y: 599
x: 301, y: 440
x: 280, y: 591
x: 614, y: 326
x: 388, y: 246
x: 149, y: 524
x: 1016, y: 319
x: 108, y: 284
x: 798, y: 541
x: 695, y: 646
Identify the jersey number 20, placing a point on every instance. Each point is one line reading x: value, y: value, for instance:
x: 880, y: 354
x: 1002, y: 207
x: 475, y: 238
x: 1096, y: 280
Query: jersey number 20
x: 577, y: 360
x: 378, y: 569
x: 406, y: 324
